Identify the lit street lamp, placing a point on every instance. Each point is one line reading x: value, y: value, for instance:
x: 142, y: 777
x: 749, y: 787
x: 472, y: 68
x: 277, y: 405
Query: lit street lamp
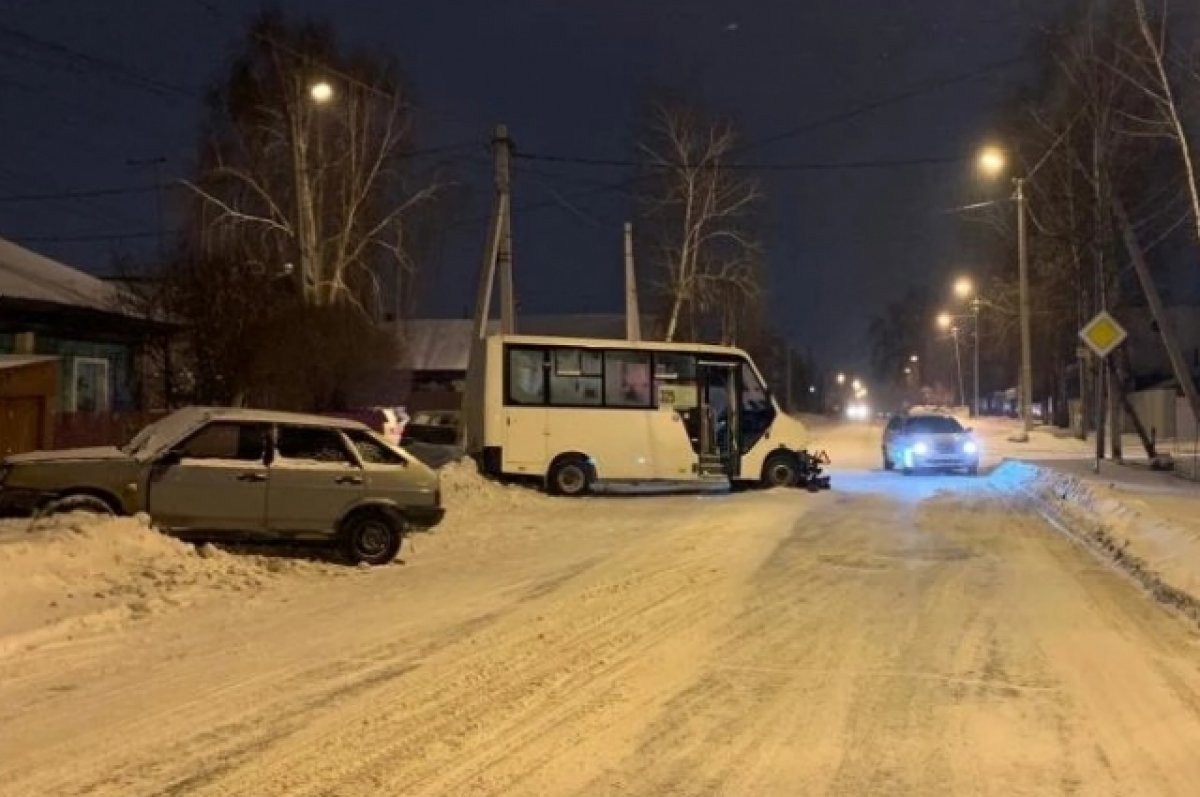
x: 992, y: 163
x: 944, y: 320
x: 841, y: 379
x: 964, y: 288
x: 321, y: 92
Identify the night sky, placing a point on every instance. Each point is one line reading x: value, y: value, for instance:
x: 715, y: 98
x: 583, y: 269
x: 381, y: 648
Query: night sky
x: 569, y: 79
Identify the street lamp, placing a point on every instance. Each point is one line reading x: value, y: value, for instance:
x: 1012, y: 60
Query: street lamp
x: 857, y: 385
x: 964, y: 288
x: 992, y: 163
x: 944, y: 320
x: 914, y: 358
x: 841, y: 379
x: 321, y: 92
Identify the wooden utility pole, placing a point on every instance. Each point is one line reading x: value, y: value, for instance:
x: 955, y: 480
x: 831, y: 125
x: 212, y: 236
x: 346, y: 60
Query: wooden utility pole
x: 633, y: 318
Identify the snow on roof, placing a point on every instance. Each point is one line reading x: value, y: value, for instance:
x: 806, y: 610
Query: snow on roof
x: 28, y: 275
x: 21, y: 360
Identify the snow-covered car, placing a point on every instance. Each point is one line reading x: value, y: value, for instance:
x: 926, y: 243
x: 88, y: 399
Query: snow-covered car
x: 218, y: 473
x: 929, y: 440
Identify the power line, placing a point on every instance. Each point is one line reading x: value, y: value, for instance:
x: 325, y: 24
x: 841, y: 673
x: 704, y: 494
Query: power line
x: 112, y: 69
x: 793, y: 166
x: 919, y: 90
x: 80, y: 194
x: 91, y: 238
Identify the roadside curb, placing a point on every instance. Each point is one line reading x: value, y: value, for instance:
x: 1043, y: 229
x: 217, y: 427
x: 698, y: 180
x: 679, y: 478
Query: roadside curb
x: 1087, y: 529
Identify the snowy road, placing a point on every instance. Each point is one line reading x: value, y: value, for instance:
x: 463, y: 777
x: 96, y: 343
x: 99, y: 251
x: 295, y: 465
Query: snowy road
x: 894, y: 636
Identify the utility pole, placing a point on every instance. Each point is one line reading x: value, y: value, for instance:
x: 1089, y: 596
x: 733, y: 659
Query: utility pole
x: 962, y: 394
x: 975, y: 369
x: 498, y: 252
x: 633, y: 318
x: 497, y: 256
x: 1026, y: 385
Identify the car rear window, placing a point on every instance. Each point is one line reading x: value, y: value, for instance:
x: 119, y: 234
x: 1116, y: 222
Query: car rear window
x: 933, y: 424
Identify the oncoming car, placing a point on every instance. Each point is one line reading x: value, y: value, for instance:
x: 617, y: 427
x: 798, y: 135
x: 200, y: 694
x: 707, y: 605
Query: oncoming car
x: 913, y: 442
x: 224, y: 473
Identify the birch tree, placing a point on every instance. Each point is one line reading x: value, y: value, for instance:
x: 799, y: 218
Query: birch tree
x: 304, y: 163
x: 702, y: 208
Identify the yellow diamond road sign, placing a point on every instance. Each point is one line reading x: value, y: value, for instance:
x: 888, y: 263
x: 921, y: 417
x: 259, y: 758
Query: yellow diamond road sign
x: 1103, y: 334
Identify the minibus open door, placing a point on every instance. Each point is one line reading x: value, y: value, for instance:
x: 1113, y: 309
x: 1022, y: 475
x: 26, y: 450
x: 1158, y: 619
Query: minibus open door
x: 720, y: 418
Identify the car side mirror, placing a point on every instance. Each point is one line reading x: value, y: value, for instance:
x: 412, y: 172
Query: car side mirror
x: 171, y: 458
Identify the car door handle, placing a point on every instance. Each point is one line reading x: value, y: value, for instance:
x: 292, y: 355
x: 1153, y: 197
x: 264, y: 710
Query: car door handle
x: 349, y: 480
x: 252, y: 477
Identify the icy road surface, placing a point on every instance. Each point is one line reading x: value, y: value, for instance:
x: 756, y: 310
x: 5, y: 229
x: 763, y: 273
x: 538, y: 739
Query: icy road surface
x: 894, y: 636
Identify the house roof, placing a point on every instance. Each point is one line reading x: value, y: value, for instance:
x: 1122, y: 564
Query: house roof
x: 32, y: 277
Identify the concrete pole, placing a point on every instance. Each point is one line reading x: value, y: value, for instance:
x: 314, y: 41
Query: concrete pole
x: 1023, y: 277
x: 962, y: 393
x: 502, y: 145
x: 975, y: 369
x: 633, y: 318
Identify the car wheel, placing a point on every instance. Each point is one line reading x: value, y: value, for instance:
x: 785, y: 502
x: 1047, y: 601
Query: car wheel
x: 372, y: 538
x: 569, y: 476
x: 81, y: 502
x: 780, y: 471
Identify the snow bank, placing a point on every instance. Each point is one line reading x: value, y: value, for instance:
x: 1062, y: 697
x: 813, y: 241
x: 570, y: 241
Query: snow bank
x: 464, y: 487
x: 1161, y: 551
x: 68, y: 573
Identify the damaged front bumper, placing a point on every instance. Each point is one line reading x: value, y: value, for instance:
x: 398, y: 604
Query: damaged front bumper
x: 811, y: 474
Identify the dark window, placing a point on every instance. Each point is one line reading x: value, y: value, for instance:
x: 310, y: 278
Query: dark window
x: 758, y: 413
x: 225, y: 440
x: 312, y: 444
x: 627, y: 379
x: 372, y: 450
x: 575, y: 377
x: 526, y: 376
x: 933, y: 424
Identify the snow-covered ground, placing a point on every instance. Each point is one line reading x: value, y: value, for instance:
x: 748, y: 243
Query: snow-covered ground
x: 920, y: 635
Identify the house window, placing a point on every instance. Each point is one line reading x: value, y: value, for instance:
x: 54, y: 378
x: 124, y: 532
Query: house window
x: 90, y: 387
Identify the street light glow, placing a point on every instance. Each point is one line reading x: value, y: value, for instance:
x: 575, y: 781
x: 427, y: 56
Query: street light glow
x: 914, y: 359
x: 992, y: 161
x: 841, y: 379
x: 963, y: 287
x: 857, y: 385
x: 321, y: 91
x: 943, y: 320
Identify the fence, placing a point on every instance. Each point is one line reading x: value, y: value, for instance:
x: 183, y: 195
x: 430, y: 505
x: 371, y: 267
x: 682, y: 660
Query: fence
x: 85, y: 429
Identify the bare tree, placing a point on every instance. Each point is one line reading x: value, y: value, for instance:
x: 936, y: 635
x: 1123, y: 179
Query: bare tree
x: 304, y: 162
x: 1154, y: 79
x: 702, y: 208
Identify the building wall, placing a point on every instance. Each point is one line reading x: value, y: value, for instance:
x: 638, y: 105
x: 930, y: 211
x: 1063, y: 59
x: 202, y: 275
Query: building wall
x: 121, y: 384
x: 28, y: 399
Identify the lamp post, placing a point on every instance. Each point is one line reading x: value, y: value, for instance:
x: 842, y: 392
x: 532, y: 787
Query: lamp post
x: 965, y: 289
x: 992, y: 162
x: 946, y: 321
